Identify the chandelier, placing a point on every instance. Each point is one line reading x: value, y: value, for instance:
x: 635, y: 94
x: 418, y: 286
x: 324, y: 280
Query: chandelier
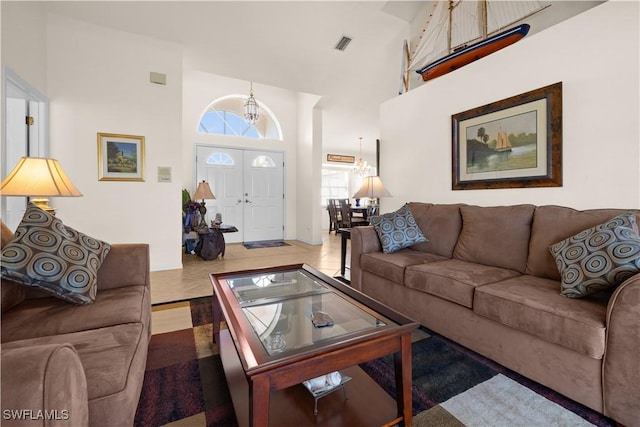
x: 251, y: 109
x: 361, y: 167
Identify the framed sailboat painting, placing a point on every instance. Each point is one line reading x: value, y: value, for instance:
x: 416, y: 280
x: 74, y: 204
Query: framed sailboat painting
x: 512, y: 143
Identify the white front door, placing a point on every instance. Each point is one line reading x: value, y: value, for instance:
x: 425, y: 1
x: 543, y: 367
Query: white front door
x: 248, y: 186
x: 264, y: 196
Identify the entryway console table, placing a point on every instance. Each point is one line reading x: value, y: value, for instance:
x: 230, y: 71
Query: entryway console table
x: 211, y: 242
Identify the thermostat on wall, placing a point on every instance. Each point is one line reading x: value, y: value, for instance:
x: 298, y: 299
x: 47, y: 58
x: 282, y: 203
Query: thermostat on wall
x: 164, y: 174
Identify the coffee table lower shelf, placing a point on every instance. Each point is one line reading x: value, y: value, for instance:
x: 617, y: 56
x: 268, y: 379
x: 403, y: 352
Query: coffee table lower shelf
x: 367, y: 403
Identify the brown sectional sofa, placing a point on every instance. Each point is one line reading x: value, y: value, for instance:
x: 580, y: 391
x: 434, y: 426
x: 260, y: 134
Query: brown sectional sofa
x: 487, y: 280
x: 78, y: 364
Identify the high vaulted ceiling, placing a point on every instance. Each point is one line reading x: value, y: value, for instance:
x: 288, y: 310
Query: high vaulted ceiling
x: 288, y: 44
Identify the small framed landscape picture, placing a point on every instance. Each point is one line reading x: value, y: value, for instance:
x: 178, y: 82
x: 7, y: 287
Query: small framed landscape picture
x: 512, y: 143
x: 120, y: 157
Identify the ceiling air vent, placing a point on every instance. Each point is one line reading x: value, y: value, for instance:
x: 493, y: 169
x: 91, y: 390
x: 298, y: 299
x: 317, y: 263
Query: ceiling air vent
x: 343, y: 43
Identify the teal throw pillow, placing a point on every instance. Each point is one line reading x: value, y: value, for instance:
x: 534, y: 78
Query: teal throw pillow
x: 598, y: 258
x: 397, y: 230
x: 50, y: 256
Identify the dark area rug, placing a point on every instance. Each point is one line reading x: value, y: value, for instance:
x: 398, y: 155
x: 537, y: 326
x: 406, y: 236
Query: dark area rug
x: 265, y: 244
x: 452, y: 386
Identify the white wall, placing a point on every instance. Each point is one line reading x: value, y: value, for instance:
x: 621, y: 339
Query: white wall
x: 596, y: 57
x: 308, y: 162
x: 98, y: 81
x: 23, y: 41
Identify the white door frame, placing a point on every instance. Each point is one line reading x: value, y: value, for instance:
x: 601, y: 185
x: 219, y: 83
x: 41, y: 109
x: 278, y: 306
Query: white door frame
x: 13, y: 86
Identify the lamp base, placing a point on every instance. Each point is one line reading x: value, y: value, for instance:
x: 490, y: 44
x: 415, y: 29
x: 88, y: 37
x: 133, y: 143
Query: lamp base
x: 41, y: 202
x: 373, y: 208
x: 203, y: 212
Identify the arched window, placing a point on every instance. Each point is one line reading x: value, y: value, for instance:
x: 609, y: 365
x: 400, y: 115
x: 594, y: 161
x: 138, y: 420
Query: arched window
x: 224, y: 116
x: 263, y: 162
x: 218, y: 158
x: 226, y: 123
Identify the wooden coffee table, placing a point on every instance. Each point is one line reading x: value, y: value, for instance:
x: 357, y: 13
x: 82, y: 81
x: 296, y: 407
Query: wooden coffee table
x: 271, y: 346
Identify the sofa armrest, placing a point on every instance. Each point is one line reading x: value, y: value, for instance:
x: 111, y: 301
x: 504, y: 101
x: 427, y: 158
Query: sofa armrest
x: 43, y: 385
x: 621, y: 365
x: 126, y: 264
x: 363, y: 240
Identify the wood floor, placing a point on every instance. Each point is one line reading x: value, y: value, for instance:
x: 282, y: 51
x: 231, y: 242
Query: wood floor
x: 193, y: 279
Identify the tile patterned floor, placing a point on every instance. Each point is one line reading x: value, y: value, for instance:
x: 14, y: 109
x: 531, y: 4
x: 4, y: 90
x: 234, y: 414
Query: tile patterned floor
x: 452, y: 386
x: 193, y: 279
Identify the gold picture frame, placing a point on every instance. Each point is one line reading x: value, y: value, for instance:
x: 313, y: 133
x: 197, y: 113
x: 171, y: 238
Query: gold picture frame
x: 340, y: 158
x: 120, y: 157
x: 512, y: 143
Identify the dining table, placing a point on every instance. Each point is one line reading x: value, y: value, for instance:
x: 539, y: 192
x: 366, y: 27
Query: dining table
x: 360, y: 210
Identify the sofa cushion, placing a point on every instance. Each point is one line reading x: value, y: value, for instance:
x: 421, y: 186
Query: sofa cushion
x: 554, y: 223
x: 129, y: 304
x: 497, y: 236
x: 441, y: 224
x: 127, y: 264
x: 534, y: 305
x: 453, y: 280
x: 392, y: 266
x: 12, y: 294
x: 106, y: 354
x: 397, y: 230
x: 599, y: 257
x: 48, y: 255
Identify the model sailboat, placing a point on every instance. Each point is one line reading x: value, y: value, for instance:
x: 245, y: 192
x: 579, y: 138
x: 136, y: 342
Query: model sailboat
x: 460, y: 32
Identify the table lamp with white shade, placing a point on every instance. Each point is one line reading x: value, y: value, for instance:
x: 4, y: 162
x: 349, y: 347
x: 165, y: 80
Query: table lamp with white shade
x: 372, y: 188
x: 38, y: 178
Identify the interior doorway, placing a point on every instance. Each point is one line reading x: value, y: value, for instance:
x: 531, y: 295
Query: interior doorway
x: 24, y: 134
x: 249, y: 190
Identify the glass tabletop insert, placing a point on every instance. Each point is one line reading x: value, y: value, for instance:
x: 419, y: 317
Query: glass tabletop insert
x: 260, y: 288
x: 293, y: 309
x: 289, y: 324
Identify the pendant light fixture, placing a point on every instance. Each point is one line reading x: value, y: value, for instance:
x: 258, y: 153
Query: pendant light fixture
x: 251, y: 109
x: 361, y: 167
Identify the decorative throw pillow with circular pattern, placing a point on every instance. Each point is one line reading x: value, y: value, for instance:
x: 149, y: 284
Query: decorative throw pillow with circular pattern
x: 50, y: 256
x: 598, y: 258
x: 397, y: 230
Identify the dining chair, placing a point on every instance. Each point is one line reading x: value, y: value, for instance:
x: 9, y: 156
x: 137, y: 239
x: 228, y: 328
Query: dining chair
x: 348, y: 219
x: 335, y: 217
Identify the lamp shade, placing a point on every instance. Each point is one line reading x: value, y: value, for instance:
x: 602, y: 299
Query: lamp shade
x: 203, y: 191
x: 37, y: 176
x: 372, y: 187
